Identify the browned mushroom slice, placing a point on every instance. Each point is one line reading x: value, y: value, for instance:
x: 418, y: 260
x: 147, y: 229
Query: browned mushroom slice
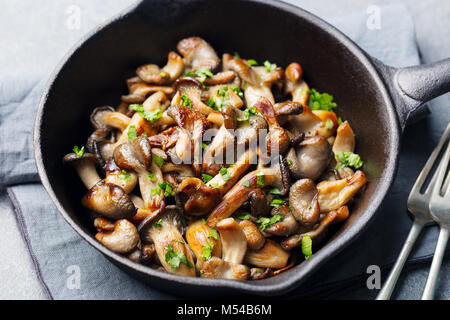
x: 189, y: 93
x: 124, y: 179
x: 271, y: 255
x: 277, y: 140
x: 335, y: 194
x: 224, y: 95
x: 295, y: 84
x: 123, y: 239
x: 198, y: 54
x: 240, y: 192
x: 303, y: 199
x: 173, y: 253
x: 260, y: 273
x: 215, y: 155
x: 151, y: 73
x: 345, y: 139
x: 259, y: 204
x: 106, y: 118
x: 202, y: 240
x: 85, y: 167
x: 285, y: 227
x: 195, y: 197
x: 139, y: 91
x: 316, y: 234
x: 329, y: 122
x: 220, y: 78
x: 306, y: 122
x: 234, y: 242
x: 310, y: 158
x: 255, y: 239
x: 221, y: 269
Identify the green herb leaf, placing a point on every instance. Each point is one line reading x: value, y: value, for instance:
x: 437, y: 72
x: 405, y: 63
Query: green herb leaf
x: 152, y: 177
x: 276, y: 202
x: 185, y: 101
x: 237, y: 91
x: 246, y: 184
x: 167, y: 187
x: 260, y: 178
x: 132, y: 134
x: 158, y: 160
x: 307, y: 246
x: 158, y: 224
x: 174, y: 258
x: 124, y: 175
x: 252, y: 62
x: 321, y: 101
x: 225, y: 175
x: 207, y: 250
x: 269, y: 66
x: 152, y: 116
x: 247, y: 113
x: 136, y: 107
x: 349, y: 159
x: 212, y: 104
x: 329, y: 124
x: 267, y: 222
x: 213, y: 233
x: 206, y: 177
x: 275, y: 191
x: 245, y: 217
x: 79, y: 152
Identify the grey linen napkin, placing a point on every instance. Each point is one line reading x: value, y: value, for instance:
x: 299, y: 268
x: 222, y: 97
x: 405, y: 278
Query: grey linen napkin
x: 57, y: 250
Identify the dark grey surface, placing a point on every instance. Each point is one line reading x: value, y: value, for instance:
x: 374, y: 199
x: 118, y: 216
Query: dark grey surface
x: 383, y: 246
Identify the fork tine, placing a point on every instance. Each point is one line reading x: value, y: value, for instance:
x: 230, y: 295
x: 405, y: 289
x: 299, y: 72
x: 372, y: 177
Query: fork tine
x: 429, y: 165
x: 441, y: 173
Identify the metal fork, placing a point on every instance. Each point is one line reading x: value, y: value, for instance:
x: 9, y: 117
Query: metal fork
x: 440, y: 211
x: 418, y: 205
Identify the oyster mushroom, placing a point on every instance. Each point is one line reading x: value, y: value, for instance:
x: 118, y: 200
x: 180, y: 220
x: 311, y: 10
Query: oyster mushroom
x: 271, y: 255
x: 240, y: 192
x: 303, y: 199
x: 103, y: 197
x: 203, y: 244
x: 316, y: 234
x: 151, y: 73
x: 195, y: 197
x: 139, y: 91
x: 173, y: 253
x: 190, y: 88
x: 259, y: 205
x: 335, y: 194
x: 115, y: 175
x: 295, y: 85
x: 277, y: 140
x: 218, y: 268
x: 310, y: 158
x: 107, y: 118
x: 198, y: 54
x: 123, y: 239
x: 137, y: 155
x: 306, y: 122
x: 234, y: 242
x: 255, y: 239
x: 345, y: 139
x: 220, y: 78
x: 285, y: 227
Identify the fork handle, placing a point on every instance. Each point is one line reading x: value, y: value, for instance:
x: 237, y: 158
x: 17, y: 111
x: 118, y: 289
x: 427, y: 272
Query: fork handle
x: 430, y: 286
x: 388, y: 287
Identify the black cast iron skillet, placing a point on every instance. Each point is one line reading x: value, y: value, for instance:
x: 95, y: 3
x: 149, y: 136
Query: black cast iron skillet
x: 377, y: 100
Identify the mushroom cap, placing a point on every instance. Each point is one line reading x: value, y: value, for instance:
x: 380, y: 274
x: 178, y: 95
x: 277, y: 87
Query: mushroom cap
x: 283, y: 228
x: 135, y: 154
x: 74, y: 158
x: 195, y: 197
x: 109, y: 200
x: 96, y: 117
x: 198, y: 53
x: 123, y: 239
x: 303, y: 199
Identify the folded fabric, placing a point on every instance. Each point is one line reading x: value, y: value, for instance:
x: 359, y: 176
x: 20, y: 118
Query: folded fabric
x: 58, y: 250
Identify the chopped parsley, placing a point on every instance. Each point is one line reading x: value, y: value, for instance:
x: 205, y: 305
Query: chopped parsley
x: 158, y: 160
x: 267, y: 222
x: 185, y: 101
x: 252, y: 62
x: 124, y: 175
x: 349, y: 159
x: 207, y: 250
x: 277, y: 202
x: 206, y: 177
x: 132, y: 133
x: 307, y: 246
x: 201, y: 74
x: 247, y: 113
x: 167, y: 187
x: 225, y: 175
x: 321, y: 101
x: 174, y: 258
x: 79, y: 152
x: 151, y: 116
x: 269, y: 66
x: 246, y: 184
x: 329, y: 124
x: 212, y: 104
x: 244, y: 217
x: 158, y: 224
x: 213, y: 233
x: 260, y: 178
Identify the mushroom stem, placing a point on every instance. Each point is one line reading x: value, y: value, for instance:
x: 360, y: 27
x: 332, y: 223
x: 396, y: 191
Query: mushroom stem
x: 87, y: 172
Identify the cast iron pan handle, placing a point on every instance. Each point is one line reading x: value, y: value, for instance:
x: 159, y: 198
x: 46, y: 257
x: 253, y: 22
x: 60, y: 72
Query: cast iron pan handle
x: 411, y: 87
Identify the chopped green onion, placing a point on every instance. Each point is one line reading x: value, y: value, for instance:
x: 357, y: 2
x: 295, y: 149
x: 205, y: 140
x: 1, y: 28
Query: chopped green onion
x: 246, y: 184
x: 267, y: 222
x: 152, y: 176
x: 329, y: 124
x: 307, y: 246
x: 207, y: 250
x: 245, y: 217
x: 321, y: 101
x: 260, y: 178
x: 79, y: 152
x: 206, y: 177
x: 275, y: 191
x: 269, y: 66
x: 349, y: 159
x: 185, y: 101
x: 225, y: 175
x: 124, y: 175
x: 158, y: 160
x: 252, y: 62
x: 158, y: 224
x: 132, y: 133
